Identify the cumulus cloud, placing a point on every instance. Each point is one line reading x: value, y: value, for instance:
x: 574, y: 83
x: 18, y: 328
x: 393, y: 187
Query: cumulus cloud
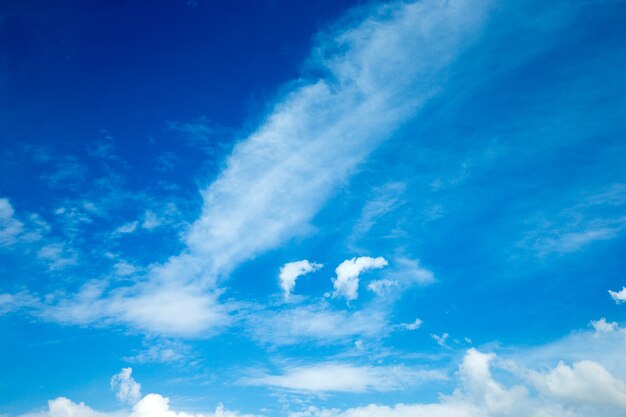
x: 582, y: 390
x: 618, y: 296
x: 127, y: 390
x: 602, y: 326
x: 152, y: 405
x: 585, y: 382
x: 291, y: 271
x: 338, y: 377
x: 346, y: 283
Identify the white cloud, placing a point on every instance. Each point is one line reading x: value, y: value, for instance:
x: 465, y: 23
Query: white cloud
x: 127, y: 228
x: 618, y: 296
x: 10, y: 227
x: 414, y: 325
x: 290, y: 272
x: 162, y: 352
x: 441, y: 339
x: 152, y: 405
x: 150, y: 220
x: 408, y: 272
x: 127, y: 390
x: 123, y: 268
x: 316, y: 323
x: 582, y: 390
x: 275, y: 181
x: 147, y: 307
x: 384, y: 200
x: 602, y: 326
x: 585, y: 382
x: 346, y: 283
x: 404, y: 273
x: 377, y: 74
x: 57, y: 255
x: 381, y: 287
x: 338, y: 377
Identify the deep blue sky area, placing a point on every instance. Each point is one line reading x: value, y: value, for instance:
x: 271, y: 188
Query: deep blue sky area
x: 312, y: 208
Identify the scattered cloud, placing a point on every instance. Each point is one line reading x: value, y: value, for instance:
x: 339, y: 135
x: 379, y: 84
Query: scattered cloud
x: 442, y: 339
x: 127, y: 390
x: 57, y: 255
x: 291, y: 271
x: 346, y: 283
x: 414, y: 325
x: 602, y: 326
x: 152, y: 405
x: 618, y: 296
x: 585, y: 388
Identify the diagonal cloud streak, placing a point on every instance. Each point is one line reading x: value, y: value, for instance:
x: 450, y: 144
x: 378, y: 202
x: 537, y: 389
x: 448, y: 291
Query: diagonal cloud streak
x: 377, y: 73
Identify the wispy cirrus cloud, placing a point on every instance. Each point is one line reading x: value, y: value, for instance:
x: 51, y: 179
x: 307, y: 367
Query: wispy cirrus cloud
x: 341, y: 377
x: 378, y: 71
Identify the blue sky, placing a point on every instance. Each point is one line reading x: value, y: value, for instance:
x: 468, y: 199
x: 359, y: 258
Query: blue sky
x: 313, y: 209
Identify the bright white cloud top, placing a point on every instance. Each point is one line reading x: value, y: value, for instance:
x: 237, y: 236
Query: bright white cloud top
x: 618, y: 296
x: 291, y: 271
x: 346, y: 283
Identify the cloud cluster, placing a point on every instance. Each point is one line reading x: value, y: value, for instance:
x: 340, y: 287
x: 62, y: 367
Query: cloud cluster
x: 583, y: 389
x: 127, y: 391
x: 372, y: 76
x: 346, y: 283
x: 152, y: 405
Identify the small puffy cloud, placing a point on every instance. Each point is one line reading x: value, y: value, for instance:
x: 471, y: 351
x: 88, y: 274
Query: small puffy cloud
x: 127, y: 228
x: 618, y: 296
x: 338, y: 377
x: 127, y: 390
x: 602, y: 326
x: 291, y: 271
x: 416, y: 324
x: 441, y: 339
x: 346, y: 283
